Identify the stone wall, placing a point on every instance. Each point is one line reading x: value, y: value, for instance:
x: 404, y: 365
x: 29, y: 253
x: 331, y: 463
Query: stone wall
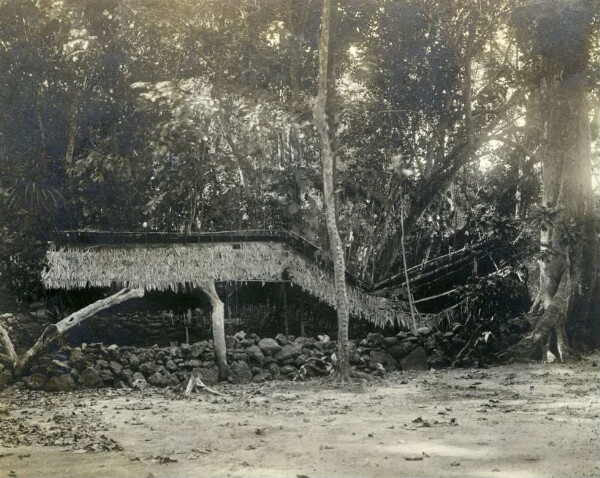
x: 250, y: 358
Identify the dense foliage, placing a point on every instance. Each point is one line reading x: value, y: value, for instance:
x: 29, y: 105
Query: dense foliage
x: 195, y: 116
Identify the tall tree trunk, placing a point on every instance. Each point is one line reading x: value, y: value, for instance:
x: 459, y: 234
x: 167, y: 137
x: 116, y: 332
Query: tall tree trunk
x: 40, y: 121
x: 72, y: 133
x: 566, y: 303
x: 218, y: 326
x: 328, y: 159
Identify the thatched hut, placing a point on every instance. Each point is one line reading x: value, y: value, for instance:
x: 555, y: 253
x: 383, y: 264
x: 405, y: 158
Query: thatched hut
x: 139, y: 262
x: 166, y: 262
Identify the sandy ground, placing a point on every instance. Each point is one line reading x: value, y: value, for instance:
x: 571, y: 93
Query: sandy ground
x: 510, y: 421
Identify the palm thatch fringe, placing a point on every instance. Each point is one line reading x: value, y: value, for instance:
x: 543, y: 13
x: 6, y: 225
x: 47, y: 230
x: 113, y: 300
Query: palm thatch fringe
x: 162, y: 267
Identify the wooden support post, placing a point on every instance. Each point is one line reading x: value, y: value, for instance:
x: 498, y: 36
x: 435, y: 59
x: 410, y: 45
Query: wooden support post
x: 218, y: 326
x: 284, y: 309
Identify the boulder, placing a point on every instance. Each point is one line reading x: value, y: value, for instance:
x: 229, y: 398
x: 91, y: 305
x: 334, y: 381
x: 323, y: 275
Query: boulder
x: 5, y: 379
x: 139, y: 382
x: 172, y: 379
x: 288, y: 352
x: 193, y: 363
x: 390, y: 341
x: 134, y: 361
x: 128, y: 375
x: 268, y: 359
x: 437, y: 360
x: 282, y: 339
x: 209, y: 375
x: 274, y: 370
x: 240, y: 357
x: 185, y: 349
x: 106, y: 375
x: 239, y: 372
x: 101, y: 364
x: 116, y: 367
x: 35, y: 381
x: 299, y: 360
x: 246, y: 343
x: 61, y: 383
x: 269, y: 346
x: 415, y: 360
x: 355, y: 358
x: 410, y: 339
x: 158, y: 380
x: 171, y: 366
x: 261, y: 377
x: 78, y: 359
x: 305, y: 341
x: 385, y: 359
x: 230, y: 341
x: 255, y: 354
x: 401, y: 350
x: 374, y: 338
x: 255, y: 338
x: 148, y: 368
x: 197, y: 349
x: 90, y: 378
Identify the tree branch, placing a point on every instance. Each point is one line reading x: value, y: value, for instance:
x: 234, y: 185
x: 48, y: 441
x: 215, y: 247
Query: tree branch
x: 54, y: 331
x: 7, y: 345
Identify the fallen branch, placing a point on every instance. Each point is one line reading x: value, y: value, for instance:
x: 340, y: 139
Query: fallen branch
x: 20, y: 365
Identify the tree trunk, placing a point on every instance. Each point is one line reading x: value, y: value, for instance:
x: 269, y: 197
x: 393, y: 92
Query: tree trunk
x: 22, y: 364
x: 218, y: 326
x: 328, y: 159
x: 568, y: 267
x: 72, y: 134
x: 568, y: 296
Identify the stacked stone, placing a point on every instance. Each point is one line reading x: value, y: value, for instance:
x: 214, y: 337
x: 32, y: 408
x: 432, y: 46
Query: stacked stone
x: 253, y: 359
x: 96, y: 365
x: 250, y: 359
x: 404, y: 351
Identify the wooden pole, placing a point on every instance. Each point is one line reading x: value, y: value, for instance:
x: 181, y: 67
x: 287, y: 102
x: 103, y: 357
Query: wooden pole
x: 284, y: 309
x: 218, y: 326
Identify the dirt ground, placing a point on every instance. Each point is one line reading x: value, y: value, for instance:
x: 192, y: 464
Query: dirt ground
x: 510, y: 421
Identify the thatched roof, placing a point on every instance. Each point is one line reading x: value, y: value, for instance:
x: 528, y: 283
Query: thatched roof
x: 158, y: 266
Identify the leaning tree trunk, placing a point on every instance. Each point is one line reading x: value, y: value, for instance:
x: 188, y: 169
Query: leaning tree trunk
x: 218, y: 326
x: 20, y: 365
x: 566, y: 304
x: 327, y: 158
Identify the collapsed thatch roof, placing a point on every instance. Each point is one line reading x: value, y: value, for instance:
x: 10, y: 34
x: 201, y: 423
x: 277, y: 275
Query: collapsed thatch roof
x: 166, y: 266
